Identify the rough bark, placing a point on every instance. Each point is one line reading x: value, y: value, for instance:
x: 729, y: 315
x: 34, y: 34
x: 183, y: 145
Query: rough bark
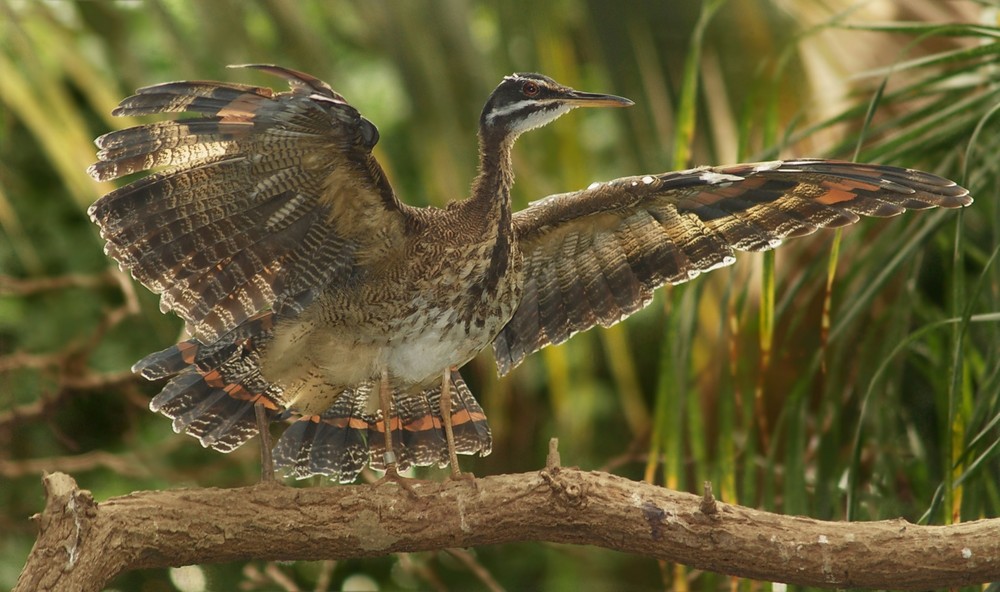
x: 82, y: 545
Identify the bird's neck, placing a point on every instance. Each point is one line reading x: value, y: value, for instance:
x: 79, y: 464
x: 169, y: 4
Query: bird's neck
x: 489, y: 212
x: 491, y: 189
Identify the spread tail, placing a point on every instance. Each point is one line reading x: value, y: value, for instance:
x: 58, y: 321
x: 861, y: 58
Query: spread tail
x: 342, y: 440
x: 213, y: 387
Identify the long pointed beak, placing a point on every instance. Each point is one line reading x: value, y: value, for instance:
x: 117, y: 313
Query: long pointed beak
x: 577, y: 98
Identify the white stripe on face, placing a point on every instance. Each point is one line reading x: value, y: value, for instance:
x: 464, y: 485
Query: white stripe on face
x: 533, y: 120
x: 506, y: 109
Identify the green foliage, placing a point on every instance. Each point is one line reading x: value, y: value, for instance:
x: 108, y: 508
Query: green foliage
x: 891, y: 409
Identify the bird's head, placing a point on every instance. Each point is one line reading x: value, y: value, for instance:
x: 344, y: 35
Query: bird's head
x: 522, y: 102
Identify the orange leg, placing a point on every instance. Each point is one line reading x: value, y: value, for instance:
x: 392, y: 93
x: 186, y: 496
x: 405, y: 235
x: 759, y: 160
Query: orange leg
x: 385, y: 402
x: 389, y: 458
x: 449, y: 433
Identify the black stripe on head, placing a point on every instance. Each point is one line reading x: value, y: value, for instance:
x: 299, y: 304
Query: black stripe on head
x: 518, y: 97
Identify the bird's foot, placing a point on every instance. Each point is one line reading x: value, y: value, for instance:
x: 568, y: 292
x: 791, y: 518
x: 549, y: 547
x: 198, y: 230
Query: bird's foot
x: 459, y: 476
x: 392, y: 476
x: 462, y: 476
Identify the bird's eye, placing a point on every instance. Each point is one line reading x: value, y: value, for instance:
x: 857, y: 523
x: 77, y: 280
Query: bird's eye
x: 529, y: 89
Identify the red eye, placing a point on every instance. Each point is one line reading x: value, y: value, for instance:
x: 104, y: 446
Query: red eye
x: 529, y: 89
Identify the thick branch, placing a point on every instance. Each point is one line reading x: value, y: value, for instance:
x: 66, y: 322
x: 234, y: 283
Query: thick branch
x: 82, y: 545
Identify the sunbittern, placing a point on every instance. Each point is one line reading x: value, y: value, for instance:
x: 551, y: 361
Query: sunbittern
x: 311, y: 290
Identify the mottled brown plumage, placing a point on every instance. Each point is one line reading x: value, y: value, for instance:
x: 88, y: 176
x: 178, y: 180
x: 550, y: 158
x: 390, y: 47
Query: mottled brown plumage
x: 309, y: 288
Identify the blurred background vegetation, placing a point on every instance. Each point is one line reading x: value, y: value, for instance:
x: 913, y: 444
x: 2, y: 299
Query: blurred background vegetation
x: 888, y: 406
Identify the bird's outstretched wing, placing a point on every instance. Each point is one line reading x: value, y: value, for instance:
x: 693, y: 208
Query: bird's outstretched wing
x: 594, y: 257
x: 266, y: 197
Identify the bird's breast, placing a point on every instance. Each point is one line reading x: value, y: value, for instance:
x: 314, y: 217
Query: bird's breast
x: 457, y: 314
x: 433, y: 311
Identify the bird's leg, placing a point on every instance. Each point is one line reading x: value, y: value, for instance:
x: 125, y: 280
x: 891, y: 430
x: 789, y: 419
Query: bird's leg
x: 449, y: 432
x: 385, y: 402
x: 264, y: 428
x: 389, y: 457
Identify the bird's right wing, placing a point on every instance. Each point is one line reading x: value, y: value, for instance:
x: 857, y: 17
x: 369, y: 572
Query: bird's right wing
x: 594, y: 257
x: 266, y: 197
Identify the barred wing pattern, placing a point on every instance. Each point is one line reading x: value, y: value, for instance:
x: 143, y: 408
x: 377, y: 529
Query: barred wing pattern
x: 594, y: 257
x: 262, y: 202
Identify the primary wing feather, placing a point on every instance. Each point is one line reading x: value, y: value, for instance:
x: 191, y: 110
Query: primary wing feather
x: 594, y: 257
x: 266, y: 197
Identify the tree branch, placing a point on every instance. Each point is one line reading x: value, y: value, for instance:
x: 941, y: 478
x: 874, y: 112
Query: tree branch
x: 82, y: 545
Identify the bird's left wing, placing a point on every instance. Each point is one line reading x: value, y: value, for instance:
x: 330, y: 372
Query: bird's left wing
x: 595, y: 256
x: 265, y: 197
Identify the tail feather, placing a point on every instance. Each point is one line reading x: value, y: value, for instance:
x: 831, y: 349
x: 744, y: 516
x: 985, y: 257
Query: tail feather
x: 214, y: 387
x: 472, y: 431
x: 230, y: 422
x: 342, y: 440
x: 208, y: 398
x: 334, y: 444
x: 168, y: 362
x: 171, y: 400
x: 419, y: 430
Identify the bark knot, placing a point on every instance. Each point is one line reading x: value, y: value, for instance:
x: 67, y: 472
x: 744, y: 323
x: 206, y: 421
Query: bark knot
x: 567, y: 491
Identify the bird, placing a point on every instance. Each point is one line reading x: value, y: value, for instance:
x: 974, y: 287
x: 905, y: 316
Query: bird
x: 313, y: 296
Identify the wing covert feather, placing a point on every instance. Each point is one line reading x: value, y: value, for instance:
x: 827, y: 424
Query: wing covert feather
x: 265, y: 197
x: 621, y: 240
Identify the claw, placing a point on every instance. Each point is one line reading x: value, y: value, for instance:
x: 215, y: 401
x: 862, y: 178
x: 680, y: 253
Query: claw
x: 393, y: 476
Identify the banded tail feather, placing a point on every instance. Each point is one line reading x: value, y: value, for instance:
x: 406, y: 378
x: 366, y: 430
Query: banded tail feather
x: 213, y: 388
x: 347, y: 437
